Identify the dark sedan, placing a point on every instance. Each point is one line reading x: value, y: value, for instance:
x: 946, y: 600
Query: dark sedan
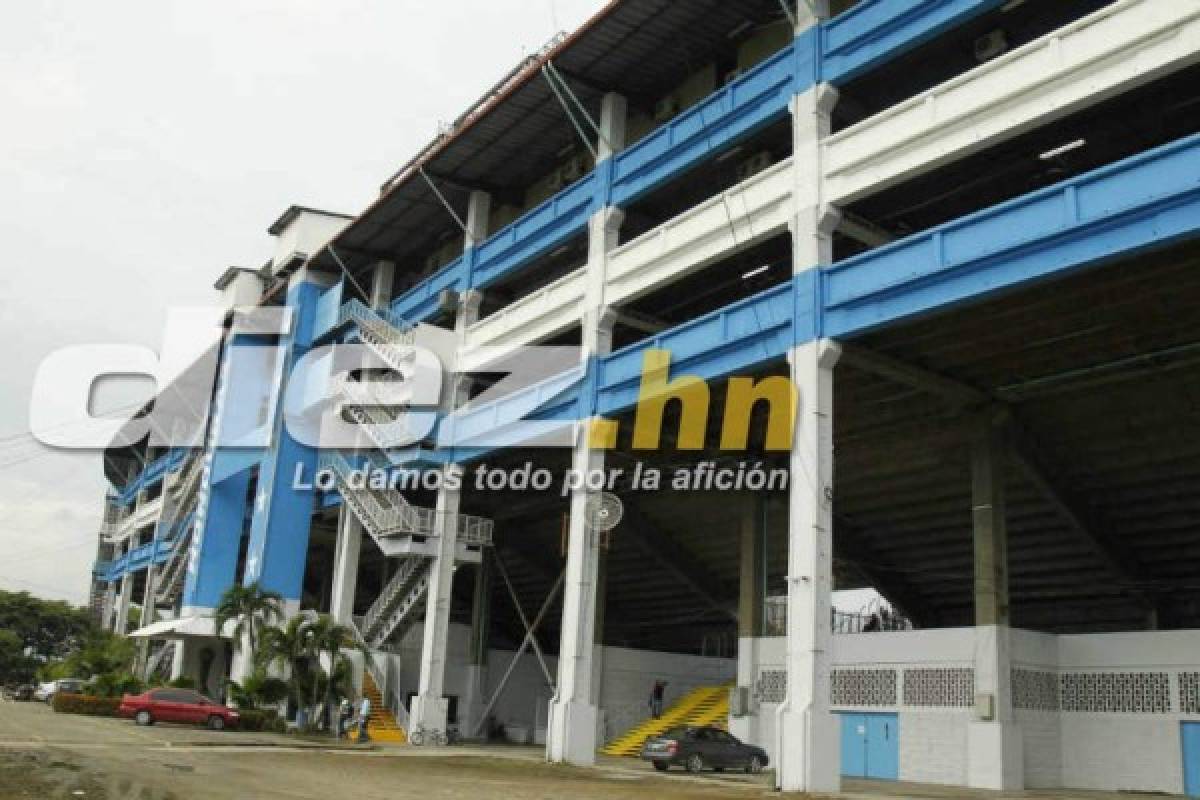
x: 697, y: 749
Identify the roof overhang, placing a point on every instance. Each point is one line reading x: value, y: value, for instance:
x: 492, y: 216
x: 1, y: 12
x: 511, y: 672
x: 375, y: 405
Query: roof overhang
x: 196, y: 627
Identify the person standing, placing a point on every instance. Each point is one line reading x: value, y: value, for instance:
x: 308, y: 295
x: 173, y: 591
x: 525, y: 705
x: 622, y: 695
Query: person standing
x: 656, y: 698
x: 364, y: 719
x: 345, y: 712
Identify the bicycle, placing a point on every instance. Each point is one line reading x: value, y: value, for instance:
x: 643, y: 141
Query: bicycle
x: 421, y: 736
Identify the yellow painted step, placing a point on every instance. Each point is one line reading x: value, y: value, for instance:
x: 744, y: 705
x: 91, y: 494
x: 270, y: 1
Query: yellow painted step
x: 383, y: 726
x: 704, y: 705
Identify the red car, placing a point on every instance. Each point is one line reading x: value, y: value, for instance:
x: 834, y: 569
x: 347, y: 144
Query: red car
x: 177, y: 705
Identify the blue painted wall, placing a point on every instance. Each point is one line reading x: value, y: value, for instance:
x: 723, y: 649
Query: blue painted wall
x: 212, y: 564
x: 282, y: 514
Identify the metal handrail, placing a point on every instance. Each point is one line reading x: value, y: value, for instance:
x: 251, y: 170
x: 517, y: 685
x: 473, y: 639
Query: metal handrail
x: 393, y: 589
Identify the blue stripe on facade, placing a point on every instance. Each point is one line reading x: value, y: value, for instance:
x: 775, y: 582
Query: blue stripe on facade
x: 282, y: 515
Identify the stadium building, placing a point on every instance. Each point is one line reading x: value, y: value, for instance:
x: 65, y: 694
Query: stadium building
x: 965, y: 232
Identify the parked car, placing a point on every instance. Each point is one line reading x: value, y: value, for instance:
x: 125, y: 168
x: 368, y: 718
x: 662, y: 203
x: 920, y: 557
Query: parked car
x: 46, y: 691
x: 177, y: 705
x: 701, y: 748
x: 24, y: 693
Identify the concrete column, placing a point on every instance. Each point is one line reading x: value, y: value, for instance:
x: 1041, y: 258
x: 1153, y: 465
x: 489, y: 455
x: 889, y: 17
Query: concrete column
x: 574, y: 716
x: 345, y: 566
x: 477, y: 654
x: 751, y: 601
x: 479, y: 211
x: 807, y: 739
x: 107, y: 620
x: 614, y: 113
x: 994, y: 749
x: 382, y: 279
x: 121, y: 623
x: 179, y: 658
x: 807, y: 732
x: 429, y: 707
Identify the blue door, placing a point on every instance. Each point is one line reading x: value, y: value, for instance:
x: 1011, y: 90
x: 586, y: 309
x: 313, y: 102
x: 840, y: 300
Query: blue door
x: 854, y: 745
x: 883, y: 747
x: 1191, y: 759
x: 871, y: 746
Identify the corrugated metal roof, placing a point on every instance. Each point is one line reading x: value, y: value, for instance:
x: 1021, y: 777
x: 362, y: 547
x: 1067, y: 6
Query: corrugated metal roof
x: 641, y: 49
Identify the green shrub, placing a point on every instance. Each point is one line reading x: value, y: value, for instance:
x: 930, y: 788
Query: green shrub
x: 254, y: 719
x: 183, y: 682
x: 86, y: 704
x: 115, y: 684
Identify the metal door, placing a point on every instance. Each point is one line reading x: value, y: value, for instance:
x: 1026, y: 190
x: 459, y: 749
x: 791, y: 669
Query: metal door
x: 1191, y: 759
x: 854, y: 745
x: 883, y: 746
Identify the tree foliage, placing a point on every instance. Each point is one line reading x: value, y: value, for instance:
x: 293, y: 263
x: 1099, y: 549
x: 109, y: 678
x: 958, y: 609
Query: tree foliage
x: 253, y: 607
x: 47, y: 629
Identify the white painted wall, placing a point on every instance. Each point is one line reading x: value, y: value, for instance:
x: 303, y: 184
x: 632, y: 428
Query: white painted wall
x: 1063, y: 749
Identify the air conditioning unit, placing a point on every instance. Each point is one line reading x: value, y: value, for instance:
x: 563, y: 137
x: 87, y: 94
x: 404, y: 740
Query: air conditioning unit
x: 731, y: 76
x: 665, y: 109
x: 753, y: 165
x: 990, y: 45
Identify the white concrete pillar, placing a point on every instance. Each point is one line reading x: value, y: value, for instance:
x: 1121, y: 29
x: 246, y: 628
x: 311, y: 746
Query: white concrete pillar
x: 345, y: 566
x: 429, y: 706
x: 751, y: 609
x: 614, y: 114
x: 107, y: 620
x: 574, y: 716
x: 807, y: 731
x: 807, y: 737
x: 994, y: 748
x: 179, y: 659
x: 479, y: 211
x: 383, y: 278
x: 121, y: 623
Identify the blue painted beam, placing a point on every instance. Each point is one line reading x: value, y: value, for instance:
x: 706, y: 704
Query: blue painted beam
x: 754, y: 100
x: 733, y: 339
x: 1149, y: 200
x: 874, y: 32
x: 420, y: 303
x: 151, y: 474
x: 537, y: 232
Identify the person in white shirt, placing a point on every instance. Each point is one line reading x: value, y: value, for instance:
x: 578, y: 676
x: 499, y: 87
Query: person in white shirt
x: 364, y: 717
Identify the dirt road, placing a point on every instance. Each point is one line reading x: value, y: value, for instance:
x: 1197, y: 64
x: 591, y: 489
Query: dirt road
x: 43, y: 755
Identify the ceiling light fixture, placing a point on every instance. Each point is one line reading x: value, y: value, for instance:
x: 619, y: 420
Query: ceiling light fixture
x: 1066, y: 148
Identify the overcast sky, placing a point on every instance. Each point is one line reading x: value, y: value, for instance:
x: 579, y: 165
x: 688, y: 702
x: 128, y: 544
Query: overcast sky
x: 145, y: 146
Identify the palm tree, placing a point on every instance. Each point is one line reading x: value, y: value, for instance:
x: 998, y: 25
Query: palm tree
x: 330, y: 639
x: 291, y: 647
x: 252, y: 607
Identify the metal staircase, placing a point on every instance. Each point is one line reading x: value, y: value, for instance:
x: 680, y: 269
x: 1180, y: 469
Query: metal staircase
x: 702, y: 706
x: 390, y: 338
x: 400, y: 529
x: 178, y: 528
x: 393, y: 610
x: 160, y: 660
